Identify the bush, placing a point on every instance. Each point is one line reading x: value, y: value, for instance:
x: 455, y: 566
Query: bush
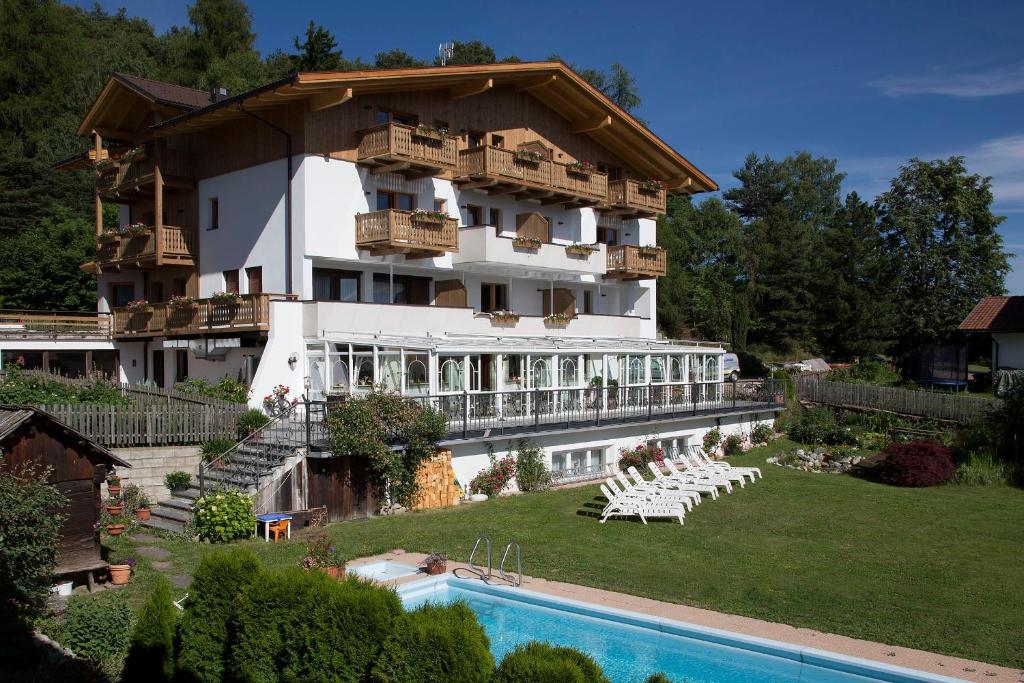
x: 493, y: 479
x: 983, y: 469
x: 250, y: 422
x: 218, y: 580
x: 151, y: 656
x: 177, y: 480
x: 214, y: 448
x: 658, y: 678
x: 917, y: 463
x: 97, y: 627
x: 436, y: 644
x: 536, y: 661
x: 733, y: 444
x: 223, y: 515
x: 226, y: 389
x: 531, y: 472
x: 302, y: 626
x: 32, y: 514
x: 639, y: 456
x: 866, y: 372
x: 712, y: 438
x: 761, y: 434
x: 38, y: 388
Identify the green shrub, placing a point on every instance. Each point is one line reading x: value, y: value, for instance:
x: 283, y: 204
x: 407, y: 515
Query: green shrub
x: 866, y: 372
x: 761, y: 434
x: 298, y: 626
x: 214, y: 448
x: 251, y: 421
x: 37, y: 388
x: 223, y: 515
x: 982, y: 469
x: 536, y: 661
x: 177, y: 480
x: 97, y: 627
x: 658, y: 678
x: 531, y: 472
x: 712, y: 438
x: 151, y: 655
x: 493, y: 479
x: 436, y: 644
x: 32, y: 514
x: 733, y: 444
x: 218, y: 580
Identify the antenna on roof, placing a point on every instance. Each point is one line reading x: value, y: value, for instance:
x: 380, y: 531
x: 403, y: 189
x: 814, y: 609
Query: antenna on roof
x: 444, y: 52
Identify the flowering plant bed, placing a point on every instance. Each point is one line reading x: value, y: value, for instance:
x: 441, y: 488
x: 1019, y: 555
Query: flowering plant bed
x: 584, y: 168
x: 526, y: 242
x: 225, y: 297
x: 140, y: 306
x: 651, y: 185
x: 530, y: 156
x: 180, y: 301
x: 580, y: 249
x: 427, y: 216
x: 504, y: 317
x: 492, y: 480
x: 430, y: 132
x: 559, y: 319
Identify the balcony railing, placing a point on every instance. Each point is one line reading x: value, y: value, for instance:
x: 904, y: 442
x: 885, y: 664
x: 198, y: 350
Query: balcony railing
x: 393, y: 231
x: 629, y: 197
x: 408, y: 148
x: 630, y: 262
x: 511, y: 171
x: 250, y: 313
x: 135, y: 174
x: 54, y: 325
x: 178, y: 248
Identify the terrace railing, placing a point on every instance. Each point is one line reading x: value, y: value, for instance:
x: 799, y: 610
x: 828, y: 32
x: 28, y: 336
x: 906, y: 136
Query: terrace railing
x: 396, y: 142
x: 394, y: 229
x: 250, y: 313
x: 179, y: 246
x: 53, y: 324
x: 631, y: 262
x: 630, y: 194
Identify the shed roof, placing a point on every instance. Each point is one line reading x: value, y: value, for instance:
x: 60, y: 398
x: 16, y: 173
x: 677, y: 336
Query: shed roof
x: 996, y: 314
x: 13, y: 417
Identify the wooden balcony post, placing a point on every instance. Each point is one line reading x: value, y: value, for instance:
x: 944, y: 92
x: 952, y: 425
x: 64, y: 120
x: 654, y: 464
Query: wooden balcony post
x: 98, y: 143
x: 158, y: 203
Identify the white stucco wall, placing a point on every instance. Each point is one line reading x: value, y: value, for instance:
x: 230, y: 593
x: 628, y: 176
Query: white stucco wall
x: 285, y: 339
x: 1010, y: 349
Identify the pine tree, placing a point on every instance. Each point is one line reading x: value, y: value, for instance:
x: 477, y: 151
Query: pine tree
x: 319, y: 51
x: 151, y: 655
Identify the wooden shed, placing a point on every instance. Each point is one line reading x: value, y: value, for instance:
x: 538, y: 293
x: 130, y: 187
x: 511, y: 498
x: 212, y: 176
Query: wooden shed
x: 78, y: 466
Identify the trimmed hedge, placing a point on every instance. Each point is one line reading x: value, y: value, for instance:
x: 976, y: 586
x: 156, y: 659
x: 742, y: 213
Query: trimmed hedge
x: 300, y: 626
x: 436, y: 644
x: 203, y: 632
x: 151, y: 657
x: 536, y: 661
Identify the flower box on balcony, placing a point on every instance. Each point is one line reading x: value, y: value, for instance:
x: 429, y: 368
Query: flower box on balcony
x: 651, y: 185
x: 108, y: 236
x: 526, y: 242
x: 649, y: 251
x: 104, y: 165
x: 584, y: 250
x: 529, y: 156
x: 504, y: 317
x: 581, y: 168
x: 135, y: 230
x: 140, y: 306
x: 178, y: 301
x: 133, y: 154
x: 425, y: 216
x: 557, y: 320
x: 225, y: 298
x: 430, y: 133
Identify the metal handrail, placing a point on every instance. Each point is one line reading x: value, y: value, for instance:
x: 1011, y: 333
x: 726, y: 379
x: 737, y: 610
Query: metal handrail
x: 473, y: 567
x: 519, y: 563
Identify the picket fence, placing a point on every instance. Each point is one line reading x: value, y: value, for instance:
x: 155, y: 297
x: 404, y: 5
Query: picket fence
x: 151, y: 424
x: 930, y: 404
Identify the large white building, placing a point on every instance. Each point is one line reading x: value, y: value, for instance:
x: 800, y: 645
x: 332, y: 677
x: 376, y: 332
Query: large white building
x: 481, y: 235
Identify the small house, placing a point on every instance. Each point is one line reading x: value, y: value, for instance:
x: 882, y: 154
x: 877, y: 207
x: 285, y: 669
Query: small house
x: 1002, y: 317
x: 77, y: 467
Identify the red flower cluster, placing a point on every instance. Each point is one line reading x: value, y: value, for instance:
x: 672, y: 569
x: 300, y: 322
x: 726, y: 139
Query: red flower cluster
x: 639, y: 456
x: 495, y: 478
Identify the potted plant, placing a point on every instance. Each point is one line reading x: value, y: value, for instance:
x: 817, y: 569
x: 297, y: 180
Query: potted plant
x: 116, y: 526
x: 557, y: 319
x: 225, y: 298
x: 649, y: 250
x: 435, y: 563
x: 121, y: 570
x: 526, y: 242
x: 529, y: 156
x: 652, y: 185
x: 177, y: 481
x: 109, y: 235
x: 581, y: 168
x: 136, y: 230
x: 139, y: 306
x: 422, y: 131
x: 323, y: 556
x: 428, y: 216
x: 114, y: 485
x: 143, y: 511
x: 114, y: 506
x: 504, y: 317
x: 181, y: 301
x: 580, y: 249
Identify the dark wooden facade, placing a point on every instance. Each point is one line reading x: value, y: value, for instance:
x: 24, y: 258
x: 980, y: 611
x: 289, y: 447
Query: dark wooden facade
x: 342, y: 485
x: 77, y: 468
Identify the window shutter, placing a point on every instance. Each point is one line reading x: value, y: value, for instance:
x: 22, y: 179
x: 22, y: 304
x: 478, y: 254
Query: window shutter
x: 533, y: 225
x: 450, y: 293
x: 565, y: 302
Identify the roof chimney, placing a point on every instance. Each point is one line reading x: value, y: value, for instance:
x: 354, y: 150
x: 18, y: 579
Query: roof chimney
x: 218, y: 93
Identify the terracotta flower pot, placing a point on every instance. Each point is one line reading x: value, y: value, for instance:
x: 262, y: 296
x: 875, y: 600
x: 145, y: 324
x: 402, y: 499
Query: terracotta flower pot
x: 114, y: 489
x: 115, y: 510
x: 115, y: 530
x: 142, y: 514
x: 433, y: 569
x: 120, y: 574
x: 334, y: 572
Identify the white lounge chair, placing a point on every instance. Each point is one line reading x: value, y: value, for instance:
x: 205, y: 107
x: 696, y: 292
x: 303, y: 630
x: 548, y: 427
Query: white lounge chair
x: 698, y: 456
x: 685, y: 470
x: 639, y: 485
x: 622, y: 506
x: 708, y: 486
x: 697, y: 466
x: 624, y: 488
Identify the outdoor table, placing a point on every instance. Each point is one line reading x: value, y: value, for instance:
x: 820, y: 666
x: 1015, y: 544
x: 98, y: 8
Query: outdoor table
x: 266, y: 520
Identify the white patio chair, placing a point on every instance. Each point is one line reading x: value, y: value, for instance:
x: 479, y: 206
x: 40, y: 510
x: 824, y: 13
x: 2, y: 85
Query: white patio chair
x: 630, y: 506
x: 684, y: 469
x: 698, y: 456
x: 639, y: 485
x: 694, y: 483
x: 626, y: 489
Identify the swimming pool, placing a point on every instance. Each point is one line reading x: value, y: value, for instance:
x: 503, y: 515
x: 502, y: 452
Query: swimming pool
x: 629, y: 646
x: 382, y: 570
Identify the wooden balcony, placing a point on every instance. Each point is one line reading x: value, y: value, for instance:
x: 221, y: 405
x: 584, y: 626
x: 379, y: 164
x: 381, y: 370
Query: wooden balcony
x: 629, y: 198
x: 630, y: 262
x: 53, y: 325
x: 135, y: 177
x: 412, y: 151
x: 505, y: 171
x: 251, y: 313
x: 179, y: 248
x: 393, y: 231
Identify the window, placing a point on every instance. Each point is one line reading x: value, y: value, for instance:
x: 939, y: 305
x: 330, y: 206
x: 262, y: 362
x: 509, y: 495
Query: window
x: 254, y: 279
x: 540, y: 373
x: 658, y: 369
x: 450, y: 374
x: 474, y: 215
x: 588, y: 302
x: 416, y: 373
x: 564, y: 461
x: 214, y: 213
x: 401, y: 289
x: 180, y: 365
x: 493, y: 297
x: 179, y: 286
x: 156, y: 291
x: 395, y: 200
x: 121, y: 294
x: 711, y: 369
x: 158, y: 367
x: 494, y: 217
x: 567, y: 373
x: 474, y: 139
x: 497, y: 140
x: 387, y: 116
x: 609, y: 236
x: 614, y: 172
x: 441, y: 205
x: 231, y: 281
x: 336, y: 285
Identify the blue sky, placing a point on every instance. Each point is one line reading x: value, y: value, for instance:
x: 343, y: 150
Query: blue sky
x: 869, y: 83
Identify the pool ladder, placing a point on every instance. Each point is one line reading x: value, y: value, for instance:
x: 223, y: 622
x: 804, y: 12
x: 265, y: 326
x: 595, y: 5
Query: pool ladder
x: 516, y: 579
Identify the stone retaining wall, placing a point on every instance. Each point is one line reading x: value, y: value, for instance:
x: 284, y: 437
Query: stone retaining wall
x: 151, y: 463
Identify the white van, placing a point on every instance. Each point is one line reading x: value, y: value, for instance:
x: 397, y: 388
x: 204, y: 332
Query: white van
x: 732, y: 367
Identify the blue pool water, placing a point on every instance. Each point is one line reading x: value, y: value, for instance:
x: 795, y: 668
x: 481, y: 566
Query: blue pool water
x: 630, y: 647
x: 383, y: 570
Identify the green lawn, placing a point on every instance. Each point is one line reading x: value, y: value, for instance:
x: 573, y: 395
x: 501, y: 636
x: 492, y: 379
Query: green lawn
x: 938, y: 569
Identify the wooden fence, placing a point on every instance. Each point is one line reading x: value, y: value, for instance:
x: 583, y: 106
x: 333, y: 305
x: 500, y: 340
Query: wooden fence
x: 931, y: 404
x: 152, y: 424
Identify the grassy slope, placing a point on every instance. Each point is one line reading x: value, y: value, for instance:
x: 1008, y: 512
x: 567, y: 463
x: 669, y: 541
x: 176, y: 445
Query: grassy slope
x: 937, y: 569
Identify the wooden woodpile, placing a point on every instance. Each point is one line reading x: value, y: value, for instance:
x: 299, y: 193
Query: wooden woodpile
x: 436, y: 481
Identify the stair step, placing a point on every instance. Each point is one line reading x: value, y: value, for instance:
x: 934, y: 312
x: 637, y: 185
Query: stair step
x: 191, y: 493
x: 178, y: 503
x: 164, y: 524
x: 175, y: 514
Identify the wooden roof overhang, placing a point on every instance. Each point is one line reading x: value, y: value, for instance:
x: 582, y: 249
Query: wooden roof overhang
x: 124, y: 109
x: 587, y: 110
